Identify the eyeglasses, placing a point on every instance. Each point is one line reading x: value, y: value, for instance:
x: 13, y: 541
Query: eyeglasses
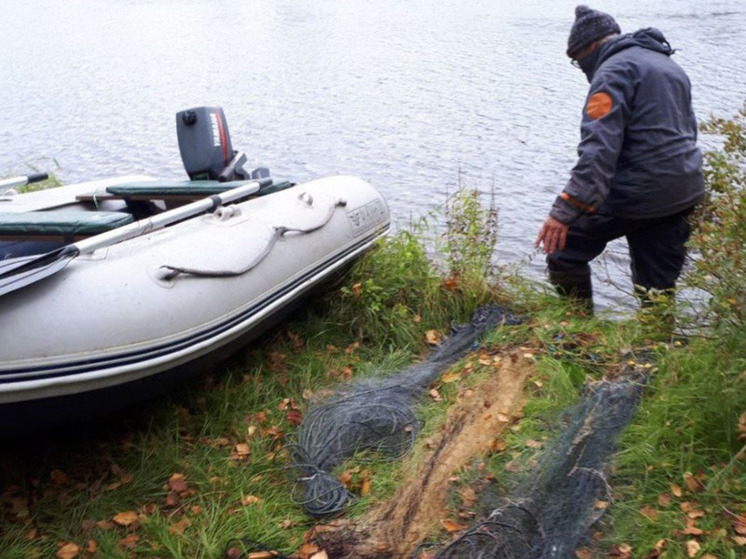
x: 575, y: 63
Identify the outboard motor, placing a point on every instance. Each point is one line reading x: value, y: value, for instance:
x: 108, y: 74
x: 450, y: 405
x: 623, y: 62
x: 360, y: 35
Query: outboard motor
x: 206, y: 149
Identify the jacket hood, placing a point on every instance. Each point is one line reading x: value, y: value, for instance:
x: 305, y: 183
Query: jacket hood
x: 650, y: 38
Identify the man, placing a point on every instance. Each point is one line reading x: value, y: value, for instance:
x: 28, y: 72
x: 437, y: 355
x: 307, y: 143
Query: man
x: 639, y: 171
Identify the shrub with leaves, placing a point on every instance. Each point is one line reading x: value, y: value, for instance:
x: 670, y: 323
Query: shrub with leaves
x: 719, y: 237
x: 405, y: 285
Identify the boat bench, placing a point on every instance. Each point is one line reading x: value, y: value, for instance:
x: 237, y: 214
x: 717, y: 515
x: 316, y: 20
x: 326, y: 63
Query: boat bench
x: 59, y: 224
x: 177, y: 191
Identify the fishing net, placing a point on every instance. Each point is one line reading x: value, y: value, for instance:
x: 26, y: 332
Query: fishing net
x: 567, y: 492
x: 372, y: 415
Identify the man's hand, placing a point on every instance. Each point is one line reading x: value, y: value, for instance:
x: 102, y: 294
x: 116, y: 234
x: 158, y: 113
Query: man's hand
x: 553, y: 234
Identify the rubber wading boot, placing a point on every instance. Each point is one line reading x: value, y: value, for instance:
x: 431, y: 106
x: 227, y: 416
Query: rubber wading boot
x: 576, y: 285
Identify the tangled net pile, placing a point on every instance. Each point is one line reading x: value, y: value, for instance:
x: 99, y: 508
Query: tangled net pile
x: 555, y: 512
x: 372, y: 415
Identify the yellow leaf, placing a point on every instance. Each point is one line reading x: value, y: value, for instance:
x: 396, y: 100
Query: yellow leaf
x: 250, y: 500
x: 432, y: 337
x: 601, y: 505
x: 68, y: 551
x: 676, y: 490
x: 125, y: 518
x: 692, y: 548
x: 242, y: 450
x: 451, y: 526
x: 450, y: 377
x: 365, y: 487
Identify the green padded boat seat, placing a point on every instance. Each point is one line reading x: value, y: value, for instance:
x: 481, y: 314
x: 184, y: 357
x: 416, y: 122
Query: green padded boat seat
x: 153, y: 189
x: 61, y: 223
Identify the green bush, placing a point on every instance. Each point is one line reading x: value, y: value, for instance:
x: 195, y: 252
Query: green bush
x: 719, y: 236
x: 415, y: 280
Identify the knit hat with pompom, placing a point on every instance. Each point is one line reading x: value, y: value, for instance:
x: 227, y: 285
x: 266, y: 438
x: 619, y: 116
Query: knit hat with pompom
x: 590, y: 26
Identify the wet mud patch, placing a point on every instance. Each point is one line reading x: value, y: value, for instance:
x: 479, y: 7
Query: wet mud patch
x: 394, y: 528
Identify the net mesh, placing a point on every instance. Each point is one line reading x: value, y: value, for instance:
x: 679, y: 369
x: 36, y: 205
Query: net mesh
x: 551, y: 515
x: 372, y: 415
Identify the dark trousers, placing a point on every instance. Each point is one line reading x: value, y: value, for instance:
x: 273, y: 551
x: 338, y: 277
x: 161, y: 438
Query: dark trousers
x: 656, y: 249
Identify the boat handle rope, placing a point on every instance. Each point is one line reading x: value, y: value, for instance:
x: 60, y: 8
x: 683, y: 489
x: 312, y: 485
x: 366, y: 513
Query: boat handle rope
x: 278, y: 231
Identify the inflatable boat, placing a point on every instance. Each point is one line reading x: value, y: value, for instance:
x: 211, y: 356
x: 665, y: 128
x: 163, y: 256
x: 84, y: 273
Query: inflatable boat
x: 115, y: 289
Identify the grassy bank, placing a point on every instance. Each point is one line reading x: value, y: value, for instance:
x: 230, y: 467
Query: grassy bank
x: 195, y: 472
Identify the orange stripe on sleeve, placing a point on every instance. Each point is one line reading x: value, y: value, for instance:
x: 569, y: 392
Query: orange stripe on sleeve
x: 573, y: 202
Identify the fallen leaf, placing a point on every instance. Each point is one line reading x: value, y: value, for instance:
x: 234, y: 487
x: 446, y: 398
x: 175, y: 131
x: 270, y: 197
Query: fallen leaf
x: 242, y: 450
x: 233, y: 553
x: 320, y: 555
x: 125, y: 518
x: 502, y: 418
x: 171, y: 500
x: 695, y: 513
x: 451, y: 526
x: 692, y: 548
x: 345, y: 478
x: 739, y: 525
x: 664, y: 500
x: 534, y: 444
x: 128, y: 542
x: 365, y: 487
x: 513, y: 466
x: 68, y: 550
x: 307, y: 549
x: 740, y: 540
x: 294, y: 417
x: 250, y: 500
x: 416, y: 319
x: 624, y: 548
x: 468, y: 496
x: 649, y: 512
x: 432, y: 337
x: 691, y: 529
x: 179, y: 527
x: 450, y: 377
x: 583, y: 553
x: 450, y: 283
x: 307, y: 394
x: 356, y: 289
x: 58, y: 477
x: 91, y: 546
x: 435, y: 395
x: 30, y: 535
x: 601, y: 505
x: 676, y: 490
x: 692, y: 483
x: 176, y: 483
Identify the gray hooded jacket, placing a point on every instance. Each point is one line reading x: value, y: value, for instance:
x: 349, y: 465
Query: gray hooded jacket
x: 638, y: 155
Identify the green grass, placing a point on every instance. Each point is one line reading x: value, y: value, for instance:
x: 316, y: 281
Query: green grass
x: 70, y: 487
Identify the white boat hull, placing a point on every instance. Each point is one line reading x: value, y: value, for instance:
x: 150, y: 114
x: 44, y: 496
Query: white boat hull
x: 116, y: 316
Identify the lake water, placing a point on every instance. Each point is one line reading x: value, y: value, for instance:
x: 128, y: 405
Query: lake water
x: 412, y: 95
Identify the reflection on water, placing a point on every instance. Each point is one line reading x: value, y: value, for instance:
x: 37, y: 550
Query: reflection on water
x: 409, y: 94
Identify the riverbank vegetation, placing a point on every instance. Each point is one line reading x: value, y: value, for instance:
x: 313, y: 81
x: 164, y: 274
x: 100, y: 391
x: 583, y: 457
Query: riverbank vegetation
x: 202, y: 472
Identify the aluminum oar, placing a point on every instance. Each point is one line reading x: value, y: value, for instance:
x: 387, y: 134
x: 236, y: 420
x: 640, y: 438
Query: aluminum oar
x: 23, y: 180
x: 16, y: 273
